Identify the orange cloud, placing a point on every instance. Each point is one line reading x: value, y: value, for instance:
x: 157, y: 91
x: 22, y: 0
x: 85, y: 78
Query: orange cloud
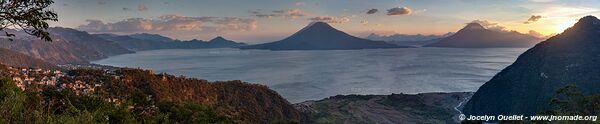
x: 173, y: 23
x: 330, y: 19
x: 288, y: 14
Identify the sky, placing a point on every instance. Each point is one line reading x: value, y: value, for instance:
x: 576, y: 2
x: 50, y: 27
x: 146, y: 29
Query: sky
x: 258, y: 21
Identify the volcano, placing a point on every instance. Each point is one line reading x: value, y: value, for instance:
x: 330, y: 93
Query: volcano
x: 528, y: 85
x: 321, y: 36
x: 476, y: 36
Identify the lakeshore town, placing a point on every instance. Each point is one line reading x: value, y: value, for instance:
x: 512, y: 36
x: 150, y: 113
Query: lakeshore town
x: 37, y: 80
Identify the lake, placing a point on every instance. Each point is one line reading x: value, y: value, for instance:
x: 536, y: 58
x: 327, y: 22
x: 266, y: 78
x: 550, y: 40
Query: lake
x: 316, y: 74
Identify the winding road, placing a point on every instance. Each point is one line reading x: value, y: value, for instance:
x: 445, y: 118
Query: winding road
x: 460, y: 104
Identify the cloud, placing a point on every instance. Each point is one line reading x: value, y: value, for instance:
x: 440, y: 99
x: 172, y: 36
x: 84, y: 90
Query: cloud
x: 372, y: 11
x: 172, y: 24
x: 291, y: 13
x: 364, y: 22
x: 399, y: 11
x: 288, y: 13
x: 142, y: 7
x: 533, y: 18
x: 330, y: 19
x: 267, y: 15
x: 125, y: 9
x: 536, y: 34
x: 102, y: 2
x: 490, y: 25
x: 300, y: 3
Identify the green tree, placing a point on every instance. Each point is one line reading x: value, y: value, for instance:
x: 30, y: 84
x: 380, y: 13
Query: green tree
x: 27, y: 15
x: 570, y: 101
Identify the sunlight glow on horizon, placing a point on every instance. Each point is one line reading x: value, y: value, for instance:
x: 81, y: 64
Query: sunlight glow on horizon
x: 277, y: 21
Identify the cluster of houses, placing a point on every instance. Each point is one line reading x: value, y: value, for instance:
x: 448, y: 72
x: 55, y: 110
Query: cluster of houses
x: 26, y: 77
x: 32, y: 79
x: 37, y: 79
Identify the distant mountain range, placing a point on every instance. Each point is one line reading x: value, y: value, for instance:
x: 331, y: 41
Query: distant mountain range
x: 408, y: 39
x: 527, y: 86
x: 321, y: 36
x: 415, y: 43
x: 70, y: 46
x: 139, y: 42
x: 476, y: 36
x: 151, y: 37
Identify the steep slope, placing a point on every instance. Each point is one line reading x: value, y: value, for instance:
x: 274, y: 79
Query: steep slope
x: 69, y: 46
x: 526, y: 86
x: 476, y: 36
x: 85, y: 40
x: 321, y: 36
x: 15, y: 59
x: 240, y: 101
x: 133, y: 44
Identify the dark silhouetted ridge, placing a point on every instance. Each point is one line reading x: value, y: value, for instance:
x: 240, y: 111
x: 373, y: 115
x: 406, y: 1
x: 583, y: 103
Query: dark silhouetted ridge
x: 527, y: 86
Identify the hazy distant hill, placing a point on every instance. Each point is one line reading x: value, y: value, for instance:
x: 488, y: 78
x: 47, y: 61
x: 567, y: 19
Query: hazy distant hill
x: 140, y: 42
x: 321, y: 36
x: 69, y: 46
x: 133, y: 44
x: 406, y: 37
x: 16, y: 59
x: 527, y: 86
x: 220, y: 42
x: 151, y: 37
x: 476, y: 36
x: 409, y: 40
x: 414, y: 43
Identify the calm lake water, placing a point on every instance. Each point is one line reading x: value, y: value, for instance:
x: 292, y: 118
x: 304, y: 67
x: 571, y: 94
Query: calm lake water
x: 311, y: 75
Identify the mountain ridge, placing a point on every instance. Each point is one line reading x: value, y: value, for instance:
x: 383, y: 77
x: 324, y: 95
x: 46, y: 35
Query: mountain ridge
x: 69, y: 46
x: 474, y: 35
x: 569, y: 58
x: 136, y: 44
